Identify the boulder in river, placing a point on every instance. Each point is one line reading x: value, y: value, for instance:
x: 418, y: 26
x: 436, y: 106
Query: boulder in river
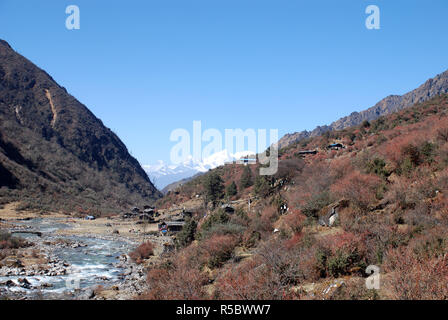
x: 10, y: 283
x: 24, y: 283
x: 46, y: 285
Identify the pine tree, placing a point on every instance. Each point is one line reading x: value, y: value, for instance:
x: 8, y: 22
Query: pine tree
x: 214, y: 187
x: 246, y: 178
x: 231, y: 190
x: 261, y: 187
x: 187, y: 235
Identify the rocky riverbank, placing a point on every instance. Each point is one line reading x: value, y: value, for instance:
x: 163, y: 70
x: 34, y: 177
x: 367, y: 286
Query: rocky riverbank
x: 74, y: 258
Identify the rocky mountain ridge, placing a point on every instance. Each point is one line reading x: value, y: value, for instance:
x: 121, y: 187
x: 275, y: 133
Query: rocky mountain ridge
x: 431, y: 88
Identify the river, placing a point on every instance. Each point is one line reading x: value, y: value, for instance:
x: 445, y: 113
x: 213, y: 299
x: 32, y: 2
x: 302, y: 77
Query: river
x: 88, y: 261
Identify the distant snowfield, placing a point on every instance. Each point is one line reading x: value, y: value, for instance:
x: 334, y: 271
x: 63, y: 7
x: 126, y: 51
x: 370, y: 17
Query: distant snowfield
x: 163, y: 174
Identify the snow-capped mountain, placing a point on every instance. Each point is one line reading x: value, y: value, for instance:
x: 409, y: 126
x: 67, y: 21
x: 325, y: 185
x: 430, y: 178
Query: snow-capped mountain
x: 163, y: 174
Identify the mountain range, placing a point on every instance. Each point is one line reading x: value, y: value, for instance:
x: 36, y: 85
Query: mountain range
x: 163, y: 174
x: 431, y: 88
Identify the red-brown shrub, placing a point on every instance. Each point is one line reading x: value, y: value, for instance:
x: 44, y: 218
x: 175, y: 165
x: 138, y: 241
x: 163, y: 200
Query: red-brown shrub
x: 408, y: 191
x: 262, y: 222
x: 294, y: 241
x: 294, y: 221
x: 340, y: 254
x: 360, y: 189
x: 7, y: 241
x: 341, y: 167
x: 411, y: 278
x: 219, y: 249
x: 255, y: 279
x: 142, y: 252
x: 175, y: 283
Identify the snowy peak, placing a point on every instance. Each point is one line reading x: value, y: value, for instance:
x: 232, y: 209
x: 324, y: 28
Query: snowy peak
x: 163, y: 174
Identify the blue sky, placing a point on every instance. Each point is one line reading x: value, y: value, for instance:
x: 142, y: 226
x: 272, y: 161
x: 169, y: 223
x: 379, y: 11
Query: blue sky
x: 148, y: 67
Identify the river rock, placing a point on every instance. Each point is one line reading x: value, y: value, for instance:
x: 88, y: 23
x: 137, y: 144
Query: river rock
x: 12, y: 262
x: 78, y: 245
x: 24, y: 283
x: 10, y: 283
x: 88, y: 294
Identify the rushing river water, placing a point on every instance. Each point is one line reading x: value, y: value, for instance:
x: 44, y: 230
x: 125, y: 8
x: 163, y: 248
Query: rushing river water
x: 91, y: 264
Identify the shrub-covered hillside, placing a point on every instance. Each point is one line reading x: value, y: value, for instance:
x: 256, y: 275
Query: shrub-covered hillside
x: 388, y: 186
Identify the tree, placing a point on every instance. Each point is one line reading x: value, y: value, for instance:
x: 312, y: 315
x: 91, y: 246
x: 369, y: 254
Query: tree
x: 246, y: 178
x: 214, y: 188
x: 231, y: 190
x: 262, y: 187
x: 187, y: 235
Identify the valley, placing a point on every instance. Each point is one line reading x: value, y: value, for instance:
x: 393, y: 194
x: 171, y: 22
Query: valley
x: 81, y: 219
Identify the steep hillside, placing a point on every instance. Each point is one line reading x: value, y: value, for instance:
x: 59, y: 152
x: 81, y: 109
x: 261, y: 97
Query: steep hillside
x: 313, y: 228
x: 431, y: 88
x: 54, y: 153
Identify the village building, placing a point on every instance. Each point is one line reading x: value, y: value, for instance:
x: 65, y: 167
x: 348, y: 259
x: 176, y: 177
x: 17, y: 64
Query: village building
x: 129, y: 215
x: 135, y: 210
x: 186, y: 214
x: 146, y: 217
x: 171, y: 226
x: 247, y: 160
x: 306, y: 152
x: 336, y: 146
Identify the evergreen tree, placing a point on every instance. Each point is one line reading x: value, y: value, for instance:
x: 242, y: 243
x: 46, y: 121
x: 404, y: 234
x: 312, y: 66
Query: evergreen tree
x: 231, y: 190
x: 246, y: 178
x: 261, y: 187
x: 187, y: 235
x: 214, y: 187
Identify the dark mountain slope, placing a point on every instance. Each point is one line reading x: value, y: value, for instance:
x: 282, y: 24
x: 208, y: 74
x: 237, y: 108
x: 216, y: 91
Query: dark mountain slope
x: 431, y: 88
x: 52, y: 148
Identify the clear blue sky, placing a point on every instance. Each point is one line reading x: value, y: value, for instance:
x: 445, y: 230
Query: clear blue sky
x: 148, y: 67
